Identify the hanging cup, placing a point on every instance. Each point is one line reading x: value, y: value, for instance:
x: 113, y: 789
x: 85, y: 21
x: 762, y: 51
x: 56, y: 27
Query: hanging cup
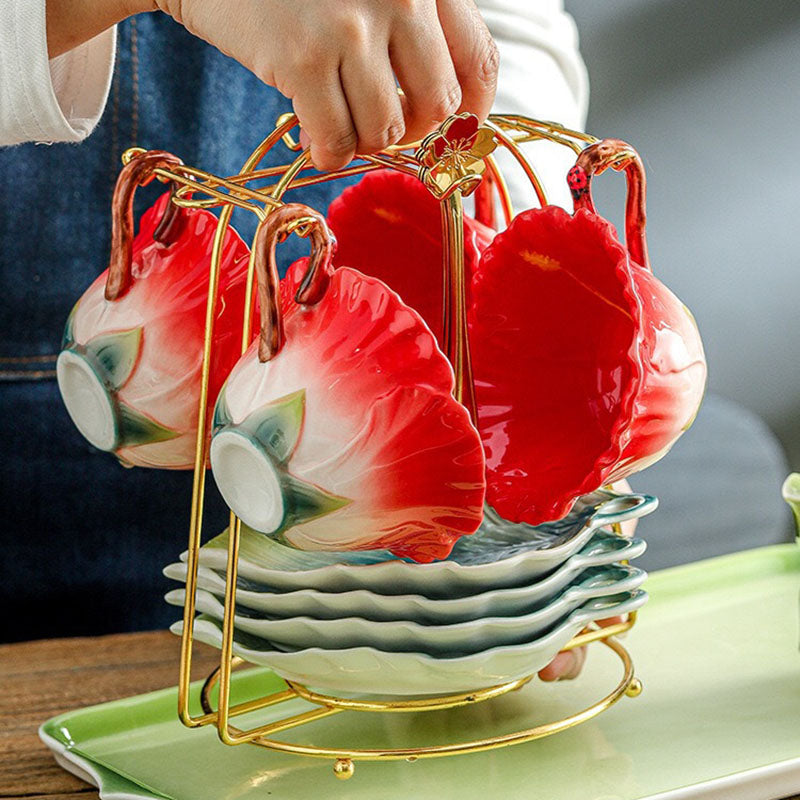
x: 130, y: 368
x: 587, y: 368
x: 337, y: 429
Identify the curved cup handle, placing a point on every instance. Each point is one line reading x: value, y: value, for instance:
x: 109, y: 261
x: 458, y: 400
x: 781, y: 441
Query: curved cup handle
x: 137, y: 172
x: 614, y: 606
x: 290, y: 218
x: 618, y: 155
x: 622, y: 507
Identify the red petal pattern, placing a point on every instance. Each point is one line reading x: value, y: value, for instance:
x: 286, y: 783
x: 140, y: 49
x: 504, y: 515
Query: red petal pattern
x: 389, y: 225
x: 553, y: 331
x: 381, y: 426
x: 167, y: 299
x: 587, y: 367
x: 462, y: 129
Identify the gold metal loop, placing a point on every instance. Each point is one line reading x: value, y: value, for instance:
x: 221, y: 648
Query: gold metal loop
x: 403, y: 705
x: 302, y: 226
x: 287, y: 137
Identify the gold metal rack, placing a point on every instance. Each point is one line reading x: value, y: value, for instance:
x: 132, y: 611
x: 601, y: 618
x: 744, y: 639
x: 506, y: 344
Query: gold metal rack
x: 453, y: 162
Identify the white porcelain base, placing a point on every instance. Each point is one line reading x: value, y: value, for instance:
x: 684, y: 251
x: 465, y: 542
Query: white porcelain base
x: 247, y: 480
x: 87, y: 400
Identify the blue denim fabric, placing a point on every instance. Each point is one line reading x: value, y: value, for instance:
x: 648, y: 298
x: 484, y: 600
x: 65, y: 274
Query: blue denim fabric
x: 83, y: 539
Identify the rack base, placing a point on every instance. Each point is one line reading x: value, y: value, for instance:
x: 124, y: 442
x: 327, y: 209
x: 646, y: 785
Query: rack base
x: 344, y: 758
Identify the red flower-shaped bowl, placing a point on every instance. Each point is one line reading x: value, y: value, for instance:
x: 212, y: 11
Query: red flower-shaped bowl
x: 587, y: 368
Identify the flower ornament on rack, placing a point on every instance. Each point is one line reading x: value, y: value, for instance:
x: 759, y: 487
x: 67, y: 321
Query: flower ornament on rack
x: 452, y: 157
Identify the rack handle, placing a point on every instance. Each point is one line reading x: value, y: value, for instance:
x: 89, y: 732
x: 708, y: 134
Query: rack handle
x: 618, y: 155
x: 276, y: 227
x: 137, y: 172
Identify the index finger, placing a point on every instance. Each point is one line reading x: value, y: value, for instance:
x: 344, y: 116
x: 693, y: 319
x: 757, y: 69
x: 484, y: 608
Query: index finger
x: 473, y: 52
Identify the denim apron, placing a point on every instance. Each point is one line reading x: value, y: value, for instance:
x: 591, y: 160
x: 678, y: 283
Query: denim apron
x: 84, y: 540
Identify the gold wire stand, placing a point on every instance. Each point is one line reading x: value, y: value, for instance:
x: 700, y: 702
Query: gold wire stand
x: 344, y: 757
x: 452, y: 162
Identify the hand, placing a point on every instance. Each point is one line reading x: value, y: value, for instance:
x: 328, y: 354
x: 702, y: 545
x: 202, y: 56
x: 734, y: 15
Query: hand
x: 569, y: 663
x: 337, y: 61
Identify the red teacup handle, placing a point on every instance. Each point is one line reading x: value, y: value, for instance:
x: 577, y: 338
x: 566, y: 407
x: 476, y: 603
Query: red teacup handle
x: 618, y: 155
x: 137, y: 172
x: 287, y: 219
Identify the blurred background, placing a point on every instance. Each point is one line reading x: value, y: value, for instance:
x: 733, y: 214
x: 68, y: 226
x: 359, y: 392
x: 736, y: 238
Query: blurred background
x: 708, y: 94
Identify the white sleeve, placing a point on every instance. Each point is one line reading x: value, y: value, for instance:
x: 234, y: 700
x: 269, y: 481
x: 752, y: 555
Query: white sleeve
x: 543, y: 76
x: 43, y: 100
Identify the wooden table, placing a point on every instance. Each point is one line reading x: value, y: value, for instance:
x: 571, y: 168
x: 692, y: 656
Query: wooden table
x: 45, y: 678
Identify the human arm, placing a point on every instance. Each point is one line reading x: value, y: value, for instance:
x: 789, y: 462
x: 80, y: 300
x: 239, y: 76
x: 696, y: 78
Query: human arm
x: 337, y: 60
x: 44, y: 99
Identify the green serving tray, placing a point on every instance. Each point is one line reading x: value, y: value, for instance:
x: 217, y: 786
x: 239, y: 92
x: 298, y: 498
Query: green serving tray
x: 716, y: 649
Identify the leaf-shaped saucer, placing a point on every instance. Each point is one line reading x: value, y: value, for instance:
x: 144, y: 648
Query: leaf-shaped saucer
x: 411, y: 636
x: 603, y: 549
x: 369, y: 670
x: 499, y: 554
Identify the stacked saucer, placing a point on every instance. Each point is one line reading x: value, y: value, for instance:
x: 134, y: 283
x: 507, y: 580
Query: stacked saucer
x: 500, y: 607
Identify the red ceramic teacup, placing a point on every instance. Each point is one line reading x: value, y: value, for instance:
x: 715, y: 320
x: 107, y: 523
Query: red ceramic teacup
x: 337, y: 429
x: 130, y: 368
x: 587, y: 368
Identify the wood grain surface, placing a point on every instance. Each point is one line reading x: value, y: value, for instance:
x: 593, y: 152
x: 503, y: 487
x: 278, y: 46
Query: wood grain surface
x: 44, y: 678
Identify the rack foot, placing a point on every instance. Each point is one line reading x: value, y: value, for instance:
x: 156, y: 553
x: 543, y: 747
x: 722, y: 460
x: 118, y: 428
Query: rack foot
x: 343, y: 768
x: 634, y: 688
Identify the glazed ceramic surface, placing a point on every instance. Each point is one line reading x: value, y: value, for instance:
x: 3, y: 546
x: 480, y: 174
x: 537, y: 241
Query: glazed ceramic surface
x: 603, y: 549
x: 499, y: 554
x: 349, y: 438
x: 111, y: 784
x: 368, y: 670
x: 129, y: 371
x: 389, y: 225
x: 614, y: 365
x: 612, y: 361
x: 742, y: 688
x: 411, y: 636
x: 255, y: 600
x: 601, y: 324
